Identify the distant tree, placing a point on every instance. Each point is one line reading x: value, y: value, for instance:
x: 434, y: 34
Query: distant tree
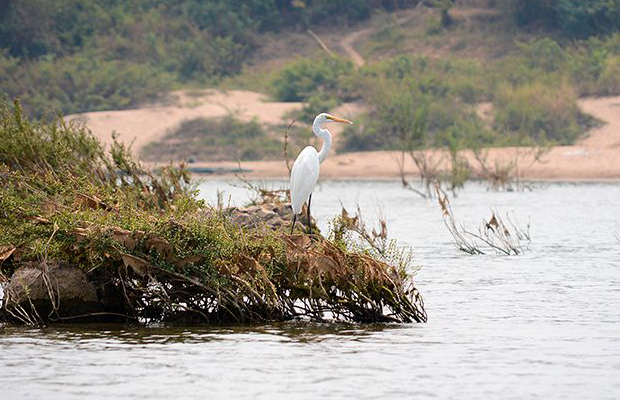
x: 575, y: 18
x: 25, y: 27
x: 579, y: 18
x: 444, y: 8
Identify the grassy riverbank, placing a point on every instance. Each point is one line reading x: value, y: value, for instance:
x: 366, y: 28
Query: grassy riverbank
x: 145, y: 237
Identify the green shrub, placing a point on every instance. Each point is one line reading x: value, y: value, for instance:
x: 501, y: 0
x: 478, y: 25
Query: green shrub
x: 317, y: 102
x: 79, y: 83
x: 217, y: 139
x: 545, y: 54
x: 539, y: 112
x: 592, y: 65
x: 444, y: 78
x: 405, y: 118
x: 609, y: 79
x: 297, y: 81
x: 574, y: 18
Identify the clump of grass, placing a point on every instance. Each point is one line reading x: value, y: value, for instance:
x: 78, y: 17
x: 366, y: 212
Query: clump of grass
x: 388, y: 34
x: 540, y: 113
x: 170, y: 256
x: 298, y: 80
x: 216, y: 139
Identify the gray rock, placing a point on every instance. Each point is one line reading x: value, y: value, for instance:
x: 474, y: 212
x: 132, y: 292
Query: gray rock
x: 50, y: 291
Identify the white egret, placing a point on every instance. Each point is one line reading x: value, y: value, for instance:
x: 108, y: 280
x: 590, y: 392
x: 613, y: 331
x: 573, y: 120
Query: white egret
x: 305, y: 172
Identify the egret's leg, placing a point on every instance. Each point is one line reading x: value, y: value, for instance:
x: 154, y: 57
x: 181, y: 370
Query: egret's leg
x: 294, y: 220
x: 309, y: 221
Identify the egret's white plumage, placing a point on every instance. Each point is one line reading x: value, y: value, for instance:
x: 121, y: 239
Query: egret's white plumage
x: 304, y: 175
x: 305, y: 172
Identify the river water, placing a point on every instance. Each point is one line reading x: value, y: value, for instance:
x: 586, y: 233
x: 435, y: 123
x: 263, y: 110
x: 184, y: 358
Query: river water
x: 545, y: 324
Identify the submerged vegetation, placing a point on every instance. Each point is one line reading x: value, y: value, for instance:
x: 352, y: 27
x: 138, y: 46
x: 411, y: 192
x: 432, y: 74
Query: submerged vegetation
x: 146, y: 242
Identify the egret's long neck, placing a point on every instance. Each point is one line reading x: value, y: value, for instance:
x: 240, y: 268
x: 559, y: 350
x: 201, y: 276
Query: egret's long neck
x: 327, y: 139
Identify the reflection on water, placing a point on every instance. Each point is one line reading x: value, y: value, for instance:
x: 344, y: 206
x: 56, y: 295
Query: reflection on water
x: 545, y: 324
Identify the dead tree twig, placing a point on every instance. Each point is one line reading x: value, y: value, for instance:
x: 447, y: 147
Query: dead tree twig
x: 499, y: 236
x: 320, y: 42
x: 286, y: 159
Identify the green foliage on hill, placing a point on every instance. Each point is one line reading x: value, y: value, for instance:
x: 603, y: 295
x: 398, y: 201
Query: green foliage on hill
x: 51, y: 49
x: 574, y: 18
x: 79, y: 82
x: 534, y: 93
x: 299, y: 80
x: 75, y: 56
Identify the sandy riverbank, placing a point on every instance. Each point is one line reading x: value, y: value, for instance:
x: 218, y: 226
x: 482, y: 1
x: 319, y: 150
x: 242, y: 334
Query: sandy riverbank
x: 595, y: 157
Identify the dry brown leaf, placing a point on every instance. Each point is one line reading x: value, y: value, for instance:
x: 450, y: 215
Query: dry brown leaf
x: 49, y: 206
x: 123, y: 237
x: 160, y: 245
x: 138, y: 265
x: 6, y: 251
x: 85, y: 201
x: 80, y: 234
x: 190, y: 259
x: 41, y: 220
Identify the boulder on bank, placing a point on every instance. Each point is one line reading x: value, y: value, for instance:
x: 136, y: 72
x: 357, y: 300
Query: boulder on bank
x: 50, y: 290
x: 272, y: 215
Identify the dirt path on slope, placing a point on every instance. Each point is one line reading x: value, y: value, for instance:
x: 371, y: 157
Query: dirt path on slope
x: 348, y: 41
x: 347, y: 45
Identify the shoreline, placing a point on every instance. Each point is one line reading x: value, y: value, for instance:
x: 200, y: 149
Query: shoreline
x: 595, y: 157
x: 215, y: 177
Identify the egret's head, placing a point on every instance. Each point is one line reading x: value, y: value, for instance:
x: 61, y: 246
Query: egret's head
x: 324, y: 117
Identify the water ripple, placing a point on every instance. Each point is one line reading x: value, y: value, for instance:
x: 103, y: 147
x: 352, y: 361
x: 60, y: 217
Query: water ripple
x: 541, y: 325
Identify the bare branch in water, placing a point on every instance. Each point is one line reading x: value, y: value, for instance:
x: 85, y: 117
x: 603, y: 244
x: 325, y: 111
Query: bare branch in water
x: 508, y: 175
x: 501, y: 237
x: 428, y: 168
x: 400, y: 161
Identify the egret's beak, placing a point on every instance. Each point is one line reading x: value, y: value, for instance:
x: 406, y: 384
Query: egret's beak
x: 336, y: 119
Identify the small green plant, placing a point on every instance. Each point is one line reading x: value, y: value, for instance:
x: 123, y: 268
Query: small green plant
x: 215, y: 139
